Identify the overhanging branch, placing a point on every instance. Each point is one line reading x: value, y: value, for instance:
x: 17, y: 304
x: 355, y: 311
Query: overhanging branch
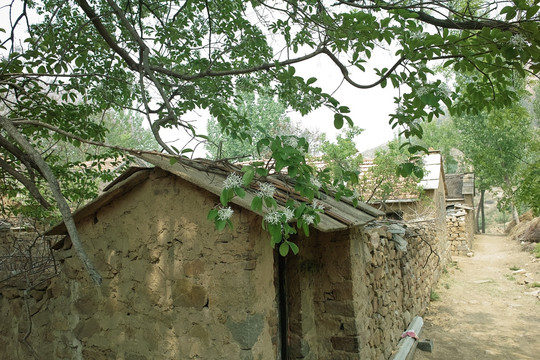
x: 57, y: 193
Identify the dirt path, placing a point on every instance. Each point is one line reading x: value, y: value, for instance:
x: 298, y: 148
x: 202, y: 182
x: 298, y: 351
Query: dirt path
x: 485, y: 310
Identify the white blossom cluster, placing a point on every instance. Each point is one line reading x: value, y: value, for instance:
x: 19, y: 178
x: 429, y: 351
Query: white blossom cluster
x: 225, y: 213
x: 291, y: 141
x: 289, y: 214
x: 441, y: 89
x: 266, y: 190
x: 316, y: 183
x: 423, y: 90
x: 355, y: 195
x: 418, y: 35
x: 518, y: 41
x: 273, y: 217
x: 317, y: 205
x: 232, y: 181
x: 308, y: 219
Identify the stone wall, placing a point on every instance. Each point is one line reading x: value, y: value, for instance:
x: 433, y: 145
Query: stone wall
x: 460, y: 227
x: 394, y: 285
x: 352, y: 294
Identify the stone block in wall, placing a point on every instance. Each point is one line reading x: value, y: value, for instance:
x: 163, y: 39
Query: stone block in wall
x: 342, y: 308
x: 345, y: 343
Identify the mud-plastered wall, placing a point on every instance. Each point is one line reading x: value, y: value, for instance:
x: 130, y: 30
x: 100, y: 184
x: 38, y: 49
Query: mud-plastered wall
x: 173, y: 287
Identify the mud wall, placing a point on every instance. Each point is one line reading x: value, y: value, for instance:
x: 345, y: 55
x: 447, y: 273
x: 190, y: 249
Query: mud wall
x: 173, y: 287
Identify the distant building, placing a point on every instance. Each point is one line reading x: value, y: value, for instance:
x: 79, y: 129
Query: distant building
x: 460, y: 212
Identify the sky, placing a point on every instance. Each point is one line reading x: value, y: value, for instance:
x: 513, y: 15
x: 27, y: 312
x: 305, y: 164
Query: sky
x: 370, y: 108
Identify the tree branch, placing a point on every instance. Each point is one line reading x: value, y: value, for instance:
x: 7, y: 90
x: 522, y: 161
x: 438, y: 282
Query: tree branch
x: 429, y: 19
x: 346, y: 76
x: 102, y: 30
x: 57, y: 193
x: 28, y: 184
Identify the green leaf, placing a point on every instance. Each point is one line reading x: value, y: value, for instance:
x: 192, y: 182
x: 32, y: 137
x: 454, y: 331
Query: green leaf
x: 173, y: 160
x: 240, y: 192
x: 338, y: 121
x: 293, y: 247
x: 305, y: 228
x: 212, y: 214
x: 248, y: 176
x: 256, y: 203
x: 224, y: 197
x: 284, y: 249
x: 220, y: 224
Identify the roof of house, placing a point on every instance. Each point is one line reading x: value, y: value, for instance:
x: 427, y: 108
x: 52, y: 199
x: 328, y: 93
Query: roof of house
x: 209, y: 175
x: 459, y: 185
x: 432, y: 176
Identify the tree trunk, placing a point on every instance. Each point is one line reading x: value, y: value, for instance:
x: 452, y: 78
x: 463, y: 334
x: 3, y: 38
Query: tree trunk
x: 515, y: 214
x: 480, y: 215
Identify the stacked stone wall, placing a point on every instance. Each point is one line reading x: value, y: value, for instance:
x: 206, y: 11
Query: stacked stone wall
x: 460, y: 234
x: 394, y: 285
x: 352, y: 294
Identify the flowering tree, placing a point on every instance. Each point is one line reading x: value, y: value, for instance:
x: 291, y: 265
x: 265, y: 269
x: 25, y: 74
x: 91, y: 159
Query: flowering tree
x: 64, y: 62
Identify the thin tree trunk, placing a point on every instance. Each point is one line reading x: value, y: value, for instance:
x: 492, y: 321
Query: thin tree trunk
x: 57, y: 193
x: 515, y: 214
x: 483, y: 211
x: 480, y: 217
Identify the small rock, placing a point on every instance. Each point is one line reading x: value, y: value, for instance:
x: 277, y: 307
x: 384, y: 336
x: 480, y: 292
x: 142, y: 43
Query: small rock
x: 470, y: 254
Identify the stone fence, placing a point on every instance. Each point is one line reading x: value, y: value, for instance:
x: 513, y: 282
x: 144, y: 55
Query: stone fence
x: 460, y: 229
x: 400, y: 270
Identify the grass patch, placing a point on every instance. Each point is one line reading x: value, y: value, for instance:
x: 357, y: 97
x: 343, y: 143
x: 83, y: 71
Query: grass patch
x: 535, y: 285
x: 515, y: 268
x: 434, y: 296
x: 510, y: 277
x: 536, y: 251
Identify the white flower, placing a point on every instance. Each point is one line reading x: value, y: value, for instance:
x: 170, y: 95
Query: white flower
x: 316, y: 183
x: 291, y: 141
x: 518, y: 41
x: 225, y: 213
x: 421, y: 91
x: 232, y: 181
x: 443, y: 89
x: 289, y: 214
x: 266, y: 190
x: 308, y: 219
x: 418, y: 35
x: 273, y: 217
x: 317, y: 205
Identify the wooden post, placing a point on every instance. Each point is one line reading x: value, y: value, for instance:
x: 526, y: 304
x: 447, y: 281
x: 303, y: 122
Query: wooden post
x: 407, y: 345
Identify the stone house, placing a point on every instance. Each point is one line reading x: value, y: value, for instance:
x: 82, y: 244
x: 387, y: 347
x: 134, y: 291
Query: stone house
x: 174, y: 287
x: 427, y: 201
x: 460, y: 212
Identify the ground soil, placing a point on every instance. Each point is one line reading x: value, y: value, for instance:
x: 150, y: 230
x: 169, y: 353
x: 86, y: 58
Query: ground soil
x: 488, y: 306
